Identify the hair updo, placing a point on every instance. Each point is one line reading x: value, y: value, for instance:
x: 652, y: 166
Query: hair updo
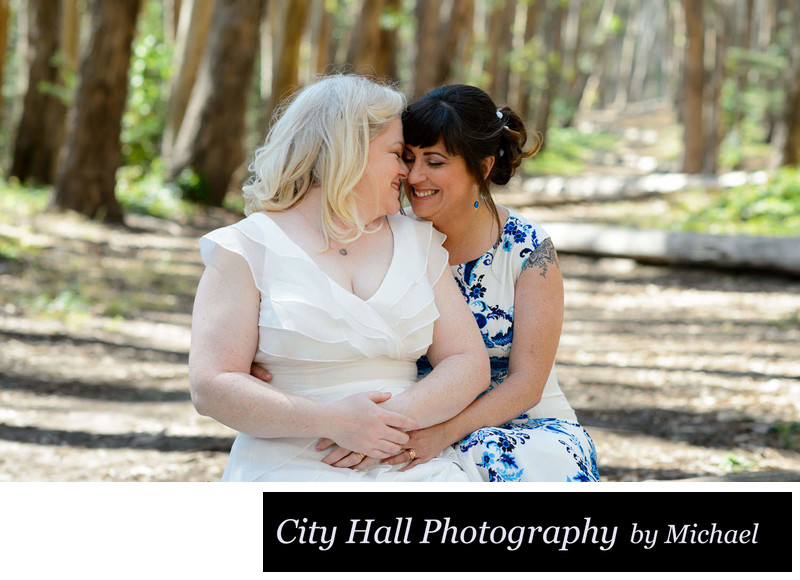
x: 472, y: 126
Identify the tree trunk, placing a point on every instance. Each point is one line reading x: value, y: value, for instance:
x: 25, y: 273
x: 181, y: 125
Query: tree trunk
x: 286, y: 59
x: 172, y: 12
x: 693, y: 125
x: 69, y: 48
x: 210, y: 139
x: 428, y: 19
x: 386, y: 59
x: 363, y: 49
x: 600, y: 49
x: 626, y: 58
x: 457, y: 38
x: 322, y: 36
x: 583, y: 15
x: 554, y: 26
x: 643, y: 52
x: 190, y: 42
x: 372, y: 47
x: 742, y: 71
x: 501, y: 37
x: 522, y: 102
x: 4, y: 14
x: 677, y: 59
x: 35, y: 152
x: 788, y: 146
x: 86, y: 178
x: 69, y: 43
x: 715, y: 131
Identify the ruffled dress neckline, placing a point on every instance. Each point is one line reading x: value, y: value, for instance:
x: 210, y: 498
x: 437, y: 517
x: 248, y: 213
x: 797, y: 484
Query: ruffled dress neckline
x: 303, y: 254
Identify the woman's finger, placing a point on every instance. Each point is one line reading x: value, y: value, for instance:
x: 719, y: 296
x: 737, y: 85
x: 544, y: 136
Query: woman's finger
x: 412, y: 464
x: 350, y: 460
x: 366, y: 464
x: 260, y: 373
x: 403, y: 457
x: 324, y: 444
x: 394, y: 436
x: 336, y: 455
x: 395, y: 459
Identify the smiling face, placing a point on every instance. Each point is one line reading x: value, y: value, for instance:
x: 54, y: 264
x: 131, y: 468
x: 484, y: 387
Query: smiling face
x: 378, y: 191
x: 441, y: 188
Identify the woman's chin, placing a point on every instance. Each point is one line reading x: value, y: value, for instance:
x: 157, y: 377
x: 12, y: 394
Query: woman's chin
x: 422, y: 205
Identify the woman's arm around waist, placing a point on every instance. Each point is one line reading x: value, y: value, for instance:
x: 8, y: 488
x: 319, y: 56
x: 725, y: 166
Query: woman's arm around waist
x: 224, y: 343
x: 458, y: 356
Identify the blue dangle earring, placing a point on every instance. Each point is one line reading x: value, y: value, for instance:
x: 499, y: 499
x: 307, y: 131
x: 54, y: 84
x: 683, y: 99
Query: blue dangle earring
x: 476, y: 205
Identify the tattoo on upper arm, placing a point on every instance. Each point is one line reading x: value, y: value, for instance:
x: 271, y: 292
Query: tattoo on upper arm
x: 542, y: 257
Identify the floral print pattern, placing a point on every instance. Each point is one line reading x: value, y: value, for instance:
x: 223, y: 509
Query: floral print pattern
x: 526, y: 448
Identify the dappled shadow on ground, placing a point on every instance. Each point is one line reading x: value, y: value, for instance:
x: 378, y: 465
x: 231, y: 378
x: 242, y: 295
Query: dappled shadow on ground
x: 675, y: 372
x: 704, y: 429
x: 135, y: 392
x: 88, y: 440
x: 122, y: 349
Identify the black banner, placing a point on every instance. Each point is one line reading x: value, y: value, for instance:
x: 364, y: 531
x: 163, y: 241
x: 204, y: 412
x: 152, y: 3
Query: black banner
x: 527, y: 531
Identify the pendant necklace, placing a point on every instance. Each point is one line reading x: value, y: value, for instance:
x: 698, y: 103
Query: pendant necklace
x: 469, y: 228
x: 342, y: 251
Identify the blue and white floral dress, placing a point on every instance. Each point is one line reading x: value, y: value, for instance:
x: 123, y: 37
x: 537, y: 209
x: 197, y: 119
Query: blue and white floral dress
x: 546, y: 443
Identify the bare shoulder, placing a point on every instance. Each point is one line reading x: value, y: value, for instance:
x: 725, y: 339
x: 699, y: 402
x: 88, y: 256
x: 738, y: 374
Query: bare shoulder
x: 542, y: 258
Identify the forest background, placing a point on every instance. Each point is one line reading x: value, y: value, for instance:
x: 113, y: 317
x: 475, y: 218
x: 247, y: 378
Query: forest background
x: 126, y: 131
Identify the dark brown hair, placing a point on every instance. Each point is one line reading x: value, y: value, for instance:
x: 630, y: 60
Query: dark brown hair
x: 472, y: 126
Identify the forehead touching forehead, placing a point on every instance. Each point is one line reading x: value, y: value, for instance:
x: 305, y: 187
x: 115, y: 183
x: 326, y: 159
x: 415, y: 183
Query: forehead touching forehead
x: 427, y: 121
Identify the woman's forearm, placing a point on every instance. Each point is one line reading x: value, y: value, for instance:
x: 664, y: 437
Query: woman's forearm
x: 250, y: 406
x: 446, y: 391
x: 505, y: 402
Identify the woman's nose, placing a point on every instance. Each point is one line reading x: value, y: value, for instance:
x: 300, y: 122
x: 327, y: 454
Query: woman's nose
x: 403, y: 168
x: 415, y: 174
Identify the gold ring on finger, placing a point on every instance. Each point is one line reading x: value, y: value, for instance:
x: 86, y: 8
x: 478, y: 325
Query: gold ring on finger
x: 360, y: 456
x: 411, y: 454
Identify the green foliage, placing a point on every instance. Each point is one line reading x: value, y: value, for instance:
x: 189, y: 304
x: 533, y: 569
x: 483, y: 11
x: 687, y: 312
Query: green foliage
x: 567, y: 151
x: 748, y: 107
x: 146, y: 111
x: 17, y: 199
x: 69, y: 305
x: 64, y: 90
x: 789, y: 433
x: 192, y: 186
x: 736, y: 464
x: 769, y: 209
x: 148, y: 192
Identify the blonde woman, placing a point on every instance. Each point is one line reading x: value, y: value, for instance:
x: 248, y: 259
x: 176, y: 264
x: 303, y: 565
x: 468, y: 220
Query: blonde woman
x: 338, y: 295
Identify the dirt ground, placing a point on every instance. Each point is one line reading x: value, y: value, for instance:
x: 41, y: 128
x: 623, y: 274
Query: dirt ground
x: 676, y: 373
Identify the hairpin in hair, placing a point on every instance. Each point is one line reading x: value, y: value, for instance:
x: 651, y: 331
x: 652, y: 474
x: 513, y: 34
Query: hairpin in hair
x: 499, y: 114
x: 501, y: 153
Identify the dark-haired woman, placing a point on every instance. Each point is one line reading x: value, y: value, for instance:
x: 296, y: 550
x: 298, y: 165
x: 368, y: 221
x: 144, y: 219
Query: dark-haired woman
x: 522, y: 428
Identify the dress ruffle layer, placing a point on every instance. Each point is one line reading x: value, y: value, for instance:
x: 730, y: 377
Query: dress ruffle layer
x: 315, y: 319
x: 321, y: 341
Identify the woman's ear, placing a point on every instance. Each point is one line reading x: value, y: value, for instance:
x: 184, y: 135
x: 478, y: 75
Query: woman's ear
x: 486, y: 165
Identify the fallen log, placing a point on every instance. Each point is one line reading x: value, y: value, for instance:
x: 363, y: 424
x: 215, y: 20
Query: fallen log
x: 762, y: 253
x: 554, y: 190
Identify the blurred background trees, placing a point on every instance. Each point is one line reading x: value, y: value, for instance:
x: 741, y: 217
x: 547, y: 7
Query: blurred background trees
x: 181, y: 106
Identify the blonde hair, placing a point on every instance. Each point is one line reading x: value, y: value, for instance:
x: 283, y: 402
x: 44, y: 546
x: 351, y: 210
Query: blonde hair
x: 320, y: 138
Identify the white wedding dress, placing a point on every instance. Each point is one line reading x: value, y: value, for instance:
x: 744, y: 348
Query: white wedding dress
x: 321, y: 341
